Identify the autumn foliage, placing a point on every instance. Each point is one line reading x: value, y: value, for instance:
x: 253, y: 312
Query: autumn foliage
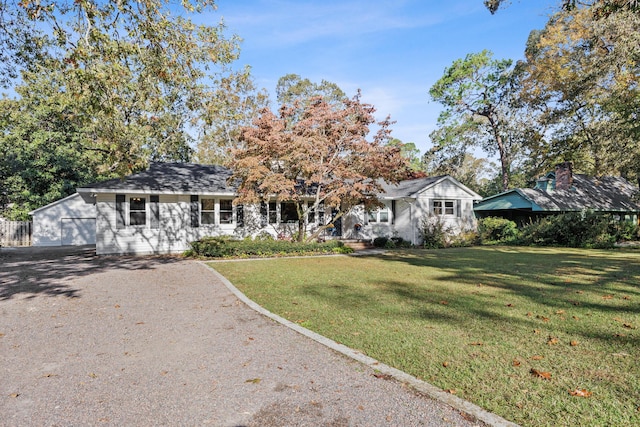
x: 316, y: 150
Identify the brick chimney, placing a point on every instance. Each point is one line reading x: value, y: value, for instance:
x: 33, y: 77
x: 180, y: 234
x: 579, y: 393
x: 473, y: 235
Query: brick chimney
x: 564, y: 176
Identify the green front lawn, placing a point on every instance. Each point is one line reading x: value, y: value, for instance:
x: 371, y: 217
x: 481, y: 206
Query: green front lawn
x: 488, y: 324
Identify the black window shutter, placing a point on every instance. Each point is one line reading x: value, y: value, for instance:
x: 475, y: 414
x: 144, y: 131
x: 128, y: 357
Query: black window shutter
x: 195, y: 212
x: 240, y: 215
x: 264, y: 220
x: 120, y: 215
x: 393, y: 212
x: 154, y: 208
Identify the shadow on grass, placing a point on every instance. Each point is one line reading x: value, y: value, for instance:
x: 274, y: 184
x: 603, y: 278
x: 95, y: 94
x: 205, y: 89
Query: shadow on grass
x: 554, y: 277
x: 36, y: 271
x: 501, y: 285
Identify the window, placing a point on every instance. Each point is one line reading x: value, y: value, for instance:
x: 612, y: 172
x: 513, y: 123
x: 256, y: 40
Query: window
x: 443, y: 207
x: 137, y: 211
x: 273, y: 213
x: 207, y: 211
x: 381, y: 215
x: 288, y: 213
x: 226, y: 211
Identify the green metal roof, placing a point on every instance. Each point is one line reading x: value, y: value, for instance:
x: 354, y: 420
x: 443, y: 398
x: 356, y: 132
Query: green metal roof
x: 509, y: 200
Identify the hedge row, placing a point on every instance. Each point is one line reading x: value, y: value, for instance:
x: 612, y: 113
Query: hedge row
x: 573, y: 229
x: 227, y: 247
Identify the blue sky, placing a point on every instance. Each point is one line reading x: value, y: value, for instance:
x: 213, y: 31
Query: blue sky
x: 394, y: 51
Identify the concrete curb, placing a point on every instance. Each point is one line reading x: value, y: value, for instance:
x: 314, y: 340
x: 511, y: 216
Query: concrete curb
x: 433, y: 392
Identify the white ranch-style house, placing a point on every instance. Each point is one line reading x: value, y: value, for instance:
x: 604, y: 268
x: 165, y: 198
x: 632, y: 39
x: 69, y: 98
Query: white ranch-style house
x: 164, y: 208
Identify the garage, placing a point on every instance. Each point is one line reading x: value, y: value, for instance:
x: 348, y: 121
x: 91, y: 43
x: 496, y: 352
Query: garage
x: 66, y: 222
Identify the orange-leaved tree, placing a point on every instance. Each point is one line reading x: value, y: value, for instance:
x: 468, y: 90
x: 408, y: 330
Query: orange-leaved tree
x: 314, y: 154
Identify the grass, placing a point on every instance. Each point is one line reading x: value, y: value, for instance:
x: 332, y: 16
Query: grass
x: 477, y: 321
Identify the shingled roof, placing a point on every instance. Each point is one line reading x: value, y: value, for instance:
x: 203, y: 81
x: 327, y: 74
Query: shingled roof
x: 191, y: 178
x: 605, y: 194
x: 182, y: 178
x: 411, y: 188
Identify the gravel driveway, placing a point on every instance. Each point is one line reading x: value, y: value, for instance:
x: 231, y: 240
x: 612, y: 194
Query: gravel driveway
x: 88, y: 340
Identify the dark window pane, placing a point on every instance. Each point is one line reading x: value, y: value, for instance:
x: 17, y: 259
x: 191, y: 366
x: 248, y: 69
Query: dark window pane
x: 208, y: 204
x: 137, y: 218
x: 226, y: 217
x: 208, y: 218
x: 288, y: 213
x: 137, y: 203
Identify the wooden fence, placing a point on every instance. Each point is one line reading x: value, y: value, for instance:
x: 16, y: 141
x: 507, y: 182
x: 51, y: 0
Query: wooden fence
x: 15, y: 233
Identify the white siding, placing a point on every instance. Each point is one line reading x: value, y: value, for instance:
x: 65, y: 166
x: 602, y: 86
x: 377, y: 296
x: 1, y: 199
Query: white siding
x: 462, y: 220
x: 69, y: 221
x: 172, y: 236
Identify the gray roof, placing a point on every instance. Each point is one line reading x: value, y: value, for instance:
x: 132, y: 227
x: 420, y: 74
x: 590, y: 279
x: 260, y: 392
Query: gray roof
x: 411, y: 188
x: 185, y: 178
x: 605, y: 194
x: 190, y: 178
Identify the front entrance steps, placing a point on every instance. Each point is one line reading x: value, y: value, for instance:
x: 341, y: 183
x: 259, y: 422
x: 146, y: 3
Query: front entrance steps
x: 358, y: 244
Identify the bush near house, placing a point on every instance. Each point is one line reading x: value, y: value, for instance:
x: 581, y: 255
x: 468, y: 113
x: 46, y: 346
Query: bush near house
x: 497, y: 230
x: 586, y: 229
x: 227, y: 247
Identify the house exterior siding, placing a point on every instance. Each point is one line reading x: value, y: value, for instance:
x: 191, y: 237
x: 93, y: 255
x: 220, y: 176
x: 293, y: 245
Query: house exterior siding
x: 172, y: 235
x: 69, y: 221
x: 164, y: 208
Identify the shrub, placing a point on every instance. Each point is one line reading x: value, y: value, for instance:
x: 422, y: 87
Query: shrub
x: 586, y: 229
x: 226, y: 247
x: 380, y: 242
x: 435, y: 233
x: 497, y: 230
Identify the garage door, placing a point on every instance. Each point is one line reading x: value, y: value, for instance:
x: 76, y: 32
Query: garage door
x: 78, y: 231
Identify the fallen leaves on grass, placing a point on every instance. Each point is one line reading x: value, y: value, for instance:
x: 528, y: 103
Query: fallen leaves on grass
x: 580, y: 393
x: 537, y: 357
x: 540, y: 374
x: 476, y: 343
x: 445, y: 364
x: 451, y: 391
x: 552, y: 340
x: 543, y: 318
x: 574, y: 343
x: 607, y: 296
x: 444, y: 302
x: 516, y: 362
x: 560, y: 312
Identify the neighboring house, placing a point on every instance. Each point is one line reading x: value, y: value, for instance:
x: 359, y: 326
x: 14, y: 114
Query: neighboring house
x: 562, y: 191
x: 163, y: 208
x: 69, y: 221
